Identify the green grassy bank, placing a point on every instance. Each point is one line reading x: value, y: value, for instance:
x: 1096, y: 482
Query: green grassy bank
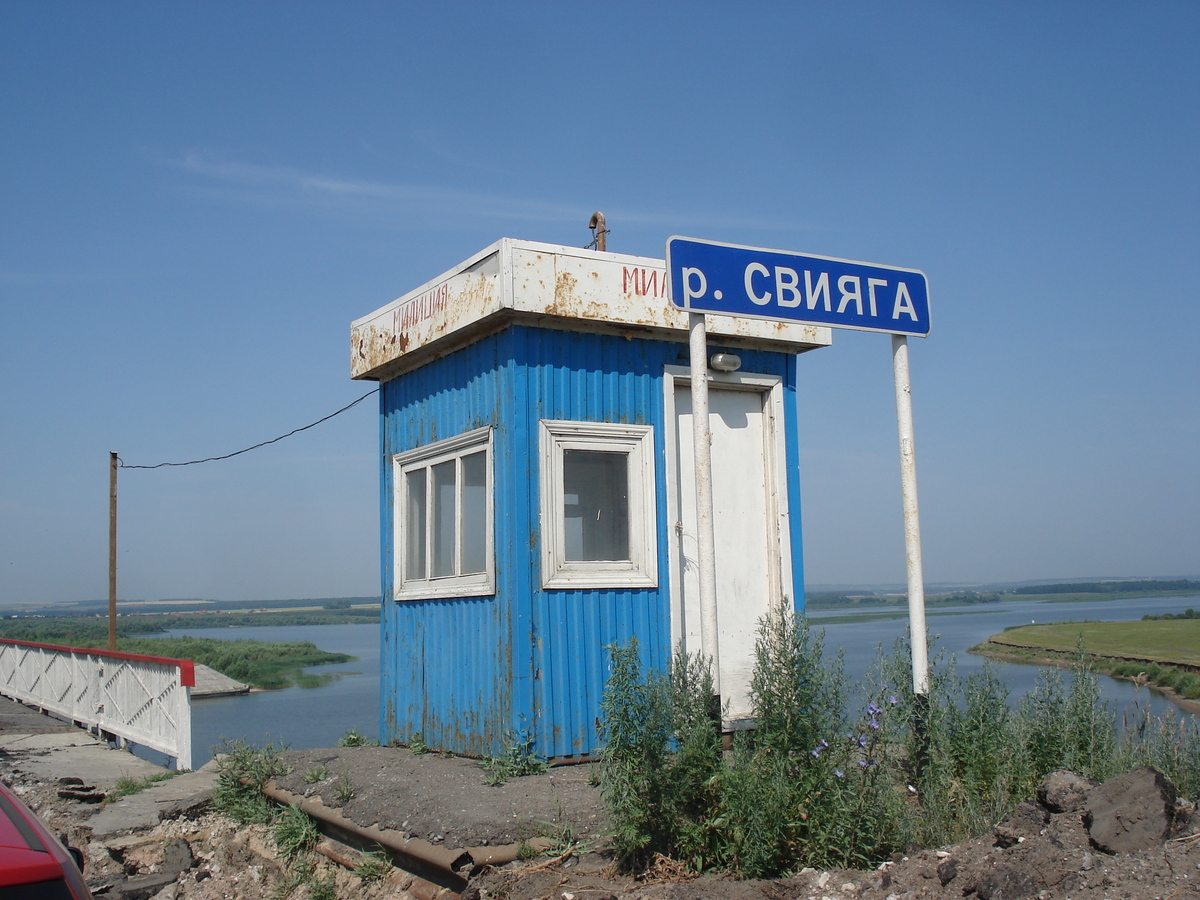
x: 1163, y: 653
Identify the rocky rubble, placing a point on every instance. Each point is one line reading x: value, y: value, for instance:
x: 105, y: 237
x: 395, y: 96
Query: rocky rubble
x: 1127, y: 838
x: 200, y: 855
x: 1130, y: 838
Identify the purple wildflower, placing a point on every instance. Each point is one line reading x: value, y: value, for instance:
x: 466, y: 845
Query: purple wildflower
x: 839, y: 773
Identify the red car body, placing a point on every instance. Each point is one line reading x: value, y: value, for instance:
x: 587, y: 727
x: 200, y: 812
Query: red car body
x: 33, y: 864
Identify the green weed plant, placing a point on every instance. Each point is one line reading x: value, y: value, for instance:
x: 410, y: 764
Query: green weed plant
x: 372, y: 865
x: 353, y: 738
x: 316, y: 774
x: 323, y: 888
x: 125, y: 786
x: 344, y: 790
x: 517, y: 761
x: 295, y: 833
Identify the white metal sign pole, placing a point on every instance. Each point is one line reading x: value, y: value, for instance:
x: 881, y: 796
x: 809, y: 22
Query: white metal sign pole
x: 912, y: 524
x: 702, y: 454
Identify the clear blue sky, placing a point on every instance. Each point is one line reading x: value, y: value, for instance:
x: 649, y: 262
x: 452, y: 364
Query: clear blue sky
x: 196, y: 199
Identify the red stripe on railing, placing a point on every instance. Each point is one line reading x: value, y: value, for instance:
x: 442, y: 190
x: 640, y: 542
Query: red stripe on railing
x: 187, y: 668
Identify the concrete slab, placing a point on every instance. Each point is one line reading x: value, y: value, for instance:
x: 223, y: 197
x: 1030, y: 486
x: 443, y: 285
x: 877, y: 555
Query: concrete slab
x: 17, y: 718
x: 50, y: 756
x: 211, y: 683
x: 180, y: 795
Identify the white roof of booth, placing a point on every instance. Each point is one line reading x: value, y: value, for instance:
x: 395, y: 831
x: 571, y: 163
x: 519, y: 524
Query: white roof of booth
x: 549, y: 286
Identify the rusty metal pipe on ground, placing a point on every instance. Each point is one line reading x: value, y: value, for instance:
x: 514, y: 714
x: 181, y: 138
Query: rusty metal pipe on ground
x: 453, y: 865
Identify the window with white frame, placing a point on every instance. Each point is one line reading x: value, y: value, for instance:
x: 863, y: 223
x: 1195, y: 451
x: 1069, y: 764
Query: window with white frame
x: 443, y: 518
x: 598, y: 510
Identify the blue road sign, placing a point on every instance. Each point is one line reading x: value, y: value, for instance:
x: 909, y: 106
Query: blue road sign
x: 731, y: 280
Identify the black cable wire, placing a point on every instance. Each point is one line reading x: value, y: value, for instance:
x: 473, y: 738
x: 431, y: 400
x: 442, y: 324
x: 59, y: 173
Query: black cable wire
x: 256, y: 446
x: 596, y: 238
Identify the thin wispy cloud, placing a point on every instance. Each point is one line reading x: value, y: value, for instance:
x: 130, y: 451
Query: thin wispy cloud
x: 278, y: 185
x: 275, y: 183
x: 62, y: 278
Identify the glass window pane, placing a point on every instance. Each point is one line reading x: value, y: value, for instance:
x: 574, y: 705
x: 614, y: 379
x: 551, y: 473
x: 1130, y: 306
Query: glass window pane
x: 443, y: 519
x: 473, y: 535
x: 414, y: 525
x: 596, y: 505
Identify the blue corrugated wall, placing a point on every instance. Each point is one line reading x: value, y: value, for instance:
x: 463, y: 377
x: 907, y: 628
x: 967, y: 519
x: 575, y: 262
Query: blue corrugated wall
x: 472, y: 673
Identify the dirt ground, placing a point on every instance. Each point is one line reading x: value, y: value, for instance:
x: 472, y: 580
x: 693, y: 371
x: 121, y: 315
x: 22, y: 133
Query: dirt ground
x: 446, y: 802
x: 444, y: 799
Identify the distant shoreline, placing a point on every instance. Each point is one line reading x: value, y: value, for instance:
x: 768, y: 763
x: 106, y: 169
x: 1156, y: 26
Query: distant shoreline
x: 822, y: 601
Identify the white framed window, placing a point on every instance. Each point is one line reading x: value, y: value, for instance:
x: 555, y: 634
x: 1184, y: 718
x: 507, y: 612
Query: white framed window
x: 443, y: 518
x: 598, y: 509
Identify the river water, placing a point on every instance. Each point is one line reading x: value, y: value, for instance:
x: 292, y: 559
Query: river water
x: 954, y: 629
x: 319, y: 716
x: 300, y: 718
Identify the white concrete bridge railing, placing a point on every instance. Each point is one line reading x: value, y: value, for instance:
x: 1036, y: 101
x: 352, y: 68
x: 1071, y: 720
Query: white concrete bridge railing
x: 143, y: 699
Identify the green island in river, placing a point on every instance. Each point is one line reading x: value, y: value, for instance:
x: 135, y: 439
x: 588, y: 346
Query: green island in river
x: 261, y: 664
x: 1163, y: 652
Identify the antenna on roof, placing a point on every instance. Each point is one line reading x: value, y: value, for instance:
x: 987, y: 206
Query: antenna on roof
x: 599, y: 241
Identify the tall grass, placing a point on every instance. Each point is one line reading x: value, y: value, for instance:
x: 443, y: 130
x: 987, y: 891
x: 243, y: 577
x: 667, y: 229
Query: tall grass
x: 817, y: 783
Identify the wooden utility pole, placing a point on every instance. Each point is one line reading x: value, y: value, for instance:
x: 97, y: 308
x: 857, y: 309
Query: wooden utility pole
x: 112, y: 550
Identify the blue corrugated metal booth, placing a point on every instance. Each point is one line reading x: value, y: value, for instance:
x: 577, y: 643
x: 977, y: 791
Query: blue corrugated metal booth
x: 537, y: 496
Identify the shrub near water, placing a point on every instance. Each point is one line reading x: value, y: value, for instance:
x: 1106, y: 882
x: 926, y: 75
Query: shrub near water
x: 812, y: 786
x: 803, y: 789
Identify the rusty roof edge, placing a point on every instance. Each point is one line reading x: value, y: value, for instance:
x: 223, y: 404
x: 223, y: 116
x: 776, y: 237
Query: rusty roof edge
x: 444, y: 346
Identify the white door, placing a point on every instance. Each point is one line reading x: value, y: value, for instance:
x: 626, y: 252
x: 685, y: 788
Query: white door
x: 753, y: 562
